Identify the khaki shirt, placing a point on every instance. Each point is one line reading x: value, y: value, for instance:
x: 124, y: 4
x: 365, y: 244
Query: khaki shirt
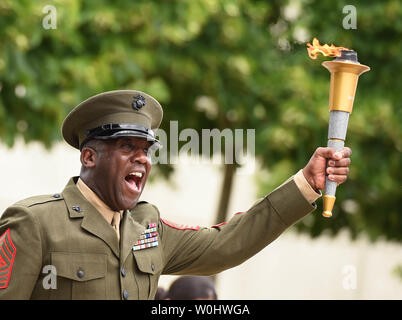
x: 67, y: 234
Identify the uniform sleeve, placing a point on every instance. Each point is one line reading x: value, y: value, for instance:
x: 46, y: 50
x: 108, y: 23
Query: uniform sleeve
x: 308, y: 192
x: 207, y: 251
x: 20, y: 253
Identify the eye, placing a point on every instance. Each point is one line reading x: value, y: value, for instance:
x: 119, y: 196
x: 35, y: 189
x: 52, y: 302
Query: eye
x: 127, y: 146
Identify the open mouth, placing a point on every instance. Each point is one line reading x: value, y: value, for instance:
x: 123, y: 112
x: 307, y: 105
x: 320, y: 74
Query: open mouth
x: 134, y: 180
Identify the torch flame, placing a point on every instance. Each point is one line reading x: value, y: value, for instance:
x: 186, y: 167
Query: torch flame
x: 326, y: 50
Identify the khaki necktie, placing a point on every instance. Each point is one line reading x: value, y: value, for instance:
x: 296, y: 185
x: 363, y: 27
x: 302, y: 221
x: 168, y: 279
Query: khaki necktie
x: 116, y: 224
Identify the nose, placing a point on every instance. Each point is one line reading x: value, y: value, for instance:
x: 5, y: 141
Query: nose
x: 140, y: 155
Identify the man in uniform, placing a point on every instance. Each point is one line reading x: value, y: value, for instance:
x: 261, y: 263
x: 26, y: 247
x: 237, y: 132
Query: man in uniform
x: 95, y: 240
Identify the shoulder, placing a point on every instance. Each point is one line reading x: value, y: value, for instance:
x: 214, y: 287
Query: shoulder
x: 145, y: 211
x: 35, y: 205
x: 27, y: 215
x: 151, y: 211
x: 41, y: 200
x: 145, y: 206
x: 145, y: 214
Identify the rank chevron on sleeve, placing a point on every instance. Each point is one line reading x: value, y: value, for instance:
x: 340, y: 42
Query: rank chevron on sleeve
x: 7, y: 254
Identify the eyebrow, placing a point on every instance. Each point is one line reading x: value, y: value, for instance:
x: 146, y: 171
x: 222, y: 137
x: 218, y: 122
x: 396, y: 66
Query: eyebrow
x: 134, y: 142
x: 125, y: 139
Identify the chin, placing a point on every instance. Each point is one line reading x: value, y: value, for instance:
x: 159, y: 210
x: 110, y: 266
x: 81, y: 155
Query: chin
x: 131, y: 205
x: 129, y: 202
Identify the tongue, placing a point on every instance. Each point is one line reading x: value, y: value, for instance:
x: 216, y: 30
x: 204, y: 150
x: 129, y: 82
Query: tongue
x: 132, y: 181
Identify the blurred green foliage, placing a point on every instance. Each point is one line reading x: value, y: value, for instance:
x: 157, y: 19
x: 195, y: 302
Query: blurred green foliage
x: 221, y: 64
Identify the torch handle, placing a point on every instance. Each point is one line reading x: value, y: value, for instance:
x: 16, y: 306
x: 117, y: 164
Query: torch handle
x: 338, y: 125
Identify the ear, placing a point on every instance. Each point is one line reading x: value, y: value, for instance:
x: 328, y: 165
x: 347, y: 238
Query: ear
x: 88, y: 157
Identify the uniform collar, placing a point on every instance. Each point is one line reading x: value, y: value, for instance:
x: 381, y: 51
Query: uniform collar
x: 94, y: 222
x: 97, y: 202
x: 92, y: 219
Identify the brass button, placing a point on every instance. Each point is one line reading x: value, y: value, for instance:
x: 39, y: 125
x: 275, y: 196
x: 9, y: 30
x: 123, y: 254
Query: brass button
x: 56, y: 195
x: 153, y: 267
x: 123, y: 272
x: 80, y: 274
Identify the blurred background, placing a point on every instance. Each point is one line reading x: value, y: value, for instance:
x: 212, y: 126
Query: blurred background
x: 223, y: 64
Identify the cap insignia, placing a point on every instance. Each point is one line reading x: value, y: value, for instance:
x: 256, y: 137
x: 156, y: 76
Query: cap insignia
x: 139, y: 102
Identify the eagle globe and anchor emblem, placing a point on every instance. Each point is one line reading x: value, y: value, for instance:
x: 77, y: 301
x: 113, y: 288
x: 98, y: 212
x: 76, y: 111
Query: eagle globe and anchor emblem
x: 139, y: 102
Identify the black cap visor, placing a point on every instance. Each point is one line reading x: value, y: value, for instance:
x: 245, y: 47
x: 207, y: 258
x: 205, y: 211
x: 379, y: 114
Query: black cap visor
x: 114, y: 131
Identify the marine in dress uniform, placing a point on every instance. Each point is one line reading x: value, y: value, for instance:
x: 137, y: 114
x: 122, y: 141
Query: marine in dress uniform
x: 101, y: 251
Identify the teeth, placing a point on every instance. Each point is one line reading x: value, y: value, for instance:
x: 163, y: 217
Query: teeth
x: 138, y: 174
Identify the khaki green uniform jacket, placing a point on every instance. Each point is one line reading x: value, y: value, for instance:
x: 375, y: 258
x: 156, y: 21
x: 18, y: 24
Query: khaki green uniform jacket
x: 90, y: 263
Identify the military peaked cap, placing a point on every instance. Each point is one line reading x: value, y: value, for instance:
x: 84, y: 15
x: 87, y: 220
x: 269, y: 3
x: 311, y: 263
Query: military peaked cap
x: 113, y: 114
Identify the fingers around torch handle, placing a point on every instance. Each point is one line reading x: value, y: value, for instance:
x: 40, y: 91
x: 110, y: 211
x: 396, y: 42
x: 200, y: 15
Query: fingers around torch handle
x: 344, y: 162
x: 337, y: 170
x: 330, y: 186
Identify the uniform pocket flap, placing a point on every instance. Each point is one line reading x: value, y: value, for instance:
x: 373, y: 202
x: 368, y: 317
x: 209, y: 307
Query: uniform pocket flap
x: 80, y: 266
x: 147, y: 261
